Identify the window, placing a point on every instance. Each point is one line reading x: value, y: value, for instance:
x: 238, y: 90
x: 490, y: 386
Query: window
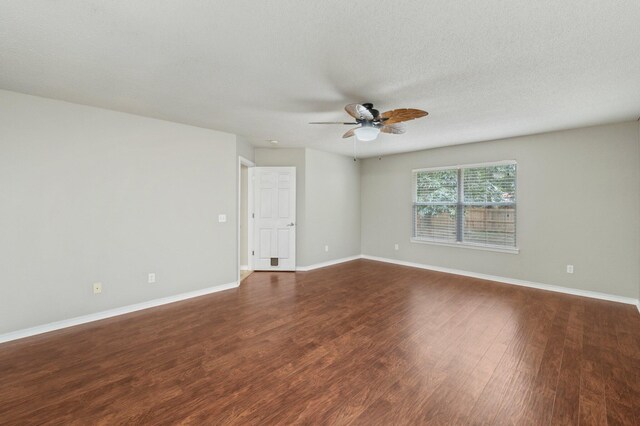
x: 472, y: 205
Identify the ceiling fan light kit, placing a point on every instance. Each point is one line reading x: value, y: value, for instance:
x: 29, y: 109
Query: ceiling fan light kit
x: 371, y: 123
x: 366, y: 133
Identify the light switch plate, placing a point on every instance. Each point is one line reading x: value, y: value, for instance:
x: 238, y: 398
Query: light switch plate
x: 222, y: 218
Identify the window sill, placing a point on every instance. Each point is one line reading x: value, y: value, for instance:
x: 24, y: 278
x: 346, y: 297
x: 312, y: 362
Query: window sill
x: 514, y: 250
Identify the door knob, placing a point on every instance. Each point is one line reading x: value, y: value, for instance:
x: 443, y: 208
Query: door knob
x: 290, y: 224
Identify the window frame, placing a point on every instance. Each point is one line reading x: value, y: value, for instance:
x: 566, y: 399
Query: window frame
x: 460, y: 205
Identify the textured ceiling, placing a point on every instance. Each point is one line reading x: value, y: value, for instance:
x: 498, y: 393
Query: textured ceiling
x: 264, y: 69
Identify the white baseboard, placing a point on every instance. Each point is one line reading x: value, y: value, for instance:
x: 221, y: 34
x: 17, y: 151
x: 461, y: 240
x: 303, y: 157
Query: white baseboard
x: 327, y: 263
x: 514, y: 281
x: 19, y: 334
x: 44, y: 328
x: 244, y: 267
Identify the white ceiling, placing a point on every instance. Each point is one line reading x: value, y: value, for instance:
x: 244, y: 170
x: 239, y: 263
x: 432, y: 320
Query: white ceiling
x: 264, y: 69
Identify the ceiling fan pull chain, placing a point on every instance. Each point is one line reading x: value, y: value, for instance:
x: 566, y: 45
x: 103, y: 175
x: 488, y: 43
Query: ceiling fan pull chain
x: 355, y: 156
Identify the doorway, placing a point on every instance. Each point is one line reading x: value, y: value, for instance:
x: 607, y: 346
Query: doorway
x: 245, y: 222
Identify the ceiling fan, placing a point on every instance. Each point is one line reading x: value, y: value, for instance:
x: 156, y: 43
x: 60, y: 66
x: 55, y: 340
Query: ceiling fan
x: 371, y: 122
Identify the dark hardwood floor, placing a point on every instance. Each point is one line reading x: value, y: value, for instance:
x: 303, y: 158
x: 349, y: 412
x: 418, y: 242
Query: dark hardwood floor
x: 358, y: 343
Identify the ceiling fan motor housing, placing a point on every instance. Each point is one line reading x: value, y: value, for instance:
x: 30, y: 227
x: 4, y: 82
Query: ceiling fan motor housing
x: 374, y: 112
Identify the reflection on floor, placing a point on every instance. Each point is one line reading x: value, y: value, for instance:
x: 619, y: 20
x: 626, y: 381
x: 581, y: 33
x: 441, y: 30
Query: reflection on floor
x: 361, y: 342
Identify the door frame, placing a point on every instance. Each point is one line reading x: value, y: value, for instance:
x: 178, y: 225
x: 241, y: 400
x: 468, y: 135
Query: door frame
x: 249, y: 164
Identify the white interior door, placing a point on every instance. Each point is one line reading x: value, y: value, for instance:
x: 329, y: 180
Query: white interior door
x: 275, y: 218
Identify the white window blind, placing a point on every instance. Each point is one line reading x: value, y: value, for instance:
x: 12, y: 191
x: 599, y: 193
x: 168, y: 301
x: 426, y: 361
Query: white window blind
x: 435, y: 209
x: 473, y: 205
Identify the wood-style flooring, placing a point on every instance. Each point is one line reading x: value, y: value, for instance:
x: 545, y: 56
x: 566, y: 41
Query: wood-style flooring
x: 357, y: 343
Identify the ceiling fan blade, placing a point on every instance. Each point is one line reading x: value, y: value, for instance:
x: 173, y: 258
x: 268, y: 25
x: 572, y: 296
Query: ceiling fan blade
x: 402, y: 114
x: 332, y: 122
x: 396, y: 129
x: 358, y: 112
x: 350, y: 133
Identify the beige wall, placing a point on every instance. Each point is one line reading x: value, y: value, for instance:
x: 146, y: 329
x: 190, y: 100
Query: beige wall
x: 95, y: 195
x: 327, y: 203
x: 578, y: 203
x: 244, y: 148
x: 332, y: 207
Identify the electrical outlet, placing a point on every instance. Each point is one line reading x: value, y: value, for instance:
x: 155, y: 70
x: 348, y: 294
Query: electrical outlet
x: 222, y: 218
x: 326, y: 248
x: 569, y: 269
x: 97, y: 288
x: 397, y: 247
x: 152, y: 278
